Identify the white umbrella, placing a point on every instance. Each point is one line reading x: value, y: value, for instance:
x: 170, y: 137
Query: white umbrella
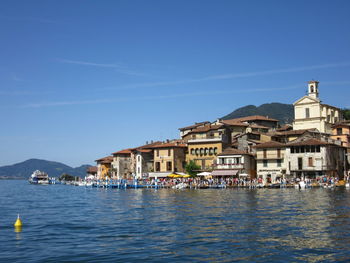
x: 204, y: 174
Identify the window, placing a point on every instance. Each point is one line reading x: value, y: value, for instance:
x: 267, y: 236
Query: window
x: 139, y: 158
x: 206, y: 151
x: 279, y: 163
x: 265, y: 163
x: 169, y: 152
x: 201, y: 151
x: 307, y: 113
x: 157, y: 153
x: 300, y: 163
x: 311, y: 162
x: 318, y: 149
x: 192, y: 151
x: 339, y: 131
x: 210, y: 151
x: 265, y: 154
x: 197, y: 151
x: 328, y: 118
x: 157, y: 166
x: 138, y: 170
x: 168, y: 166
x: 292, y: 150
x: 278, y: 153
x: 215, y: 150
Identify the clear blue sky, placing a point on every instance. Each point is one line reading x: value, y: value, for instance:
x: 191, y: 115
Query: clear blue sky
x: 82, y: 79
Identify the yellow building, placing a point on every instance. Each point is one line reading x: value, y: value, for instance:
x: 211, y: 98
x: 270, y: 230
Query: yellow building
x: 205, y: 143
x: 104, y: 167
x: 310, y: 113
x: 169, y: 157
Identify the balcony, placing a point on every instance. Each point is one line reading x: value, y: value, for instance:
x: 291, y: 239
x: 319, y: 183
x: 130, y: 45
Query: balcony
x: 229, y: 166
x: 206, y: 139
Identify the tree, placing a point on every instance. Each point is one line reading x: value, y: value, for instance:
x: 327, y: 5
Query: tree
x: 67, y: 177
x: 346, y: 113
x: 191, y: 168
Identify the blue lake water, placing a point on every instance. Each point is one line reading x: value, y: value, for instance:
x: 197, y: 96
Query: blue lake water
x: 78, y: 224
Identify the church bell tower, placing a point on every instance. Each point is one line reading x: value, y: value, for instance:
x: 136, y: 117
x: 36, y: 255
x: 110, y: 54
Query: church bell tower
x: 313, y: 89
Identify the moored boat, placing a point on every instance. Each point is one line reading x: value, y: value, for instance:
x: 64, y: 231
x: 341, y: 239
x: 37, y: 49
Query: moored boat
x: 39, y: 177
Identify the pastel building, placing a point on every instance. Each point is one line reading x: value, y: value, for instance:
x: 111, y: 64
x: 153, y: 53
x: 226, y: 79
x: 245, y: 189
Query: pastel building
x: 122, y: 164
x: 168, y: 157
x: 270, y: 161
x: 311, y: 113
x: 234, y: 163
x: 312, y: 158
x: 104, y: 166
x: 205, y: 143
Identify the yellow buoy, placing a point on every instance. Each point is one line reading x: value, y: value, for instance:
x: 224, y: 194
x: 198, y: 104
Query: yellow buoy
x: 18, y: 222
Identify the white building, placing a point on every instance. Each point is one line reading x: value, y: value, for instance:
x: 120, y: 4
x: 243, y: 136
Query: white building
x: 312, y: 158
x: 233, y: 162
x: 310, y: 113
x: 270, y: 161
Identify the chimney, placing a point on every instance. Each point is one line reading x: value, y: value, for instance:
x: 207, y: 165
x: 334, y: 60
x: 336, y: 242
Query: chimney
x: 167, y: 140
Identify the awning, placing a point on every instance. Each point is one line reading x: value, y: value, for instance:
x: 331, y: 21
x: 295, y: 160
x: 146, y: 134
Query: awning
x: 224, y: 172
x: 159, y: 175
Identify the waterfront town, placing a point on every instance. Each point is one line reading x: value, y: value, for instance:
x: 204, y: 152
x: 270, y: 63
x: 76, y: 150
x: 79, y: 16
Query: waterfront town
x: 252, y: 150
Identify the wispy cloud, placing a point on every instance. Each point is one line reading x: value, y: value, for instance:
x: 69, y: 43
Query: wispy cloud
x: 117, y: 67
x: 234, y: 76
x: 14, y: 77
x: 158, y: 97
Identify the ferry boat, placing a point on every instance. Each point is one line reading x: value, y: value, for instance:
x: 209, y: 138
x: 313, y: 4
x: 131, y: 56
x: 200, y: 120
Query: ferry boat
x: 39, y: 177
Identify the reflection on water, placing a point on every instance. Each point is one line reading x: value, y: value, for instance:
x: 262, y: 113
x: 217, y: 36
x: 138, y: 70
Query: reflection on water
x: 66, y: 223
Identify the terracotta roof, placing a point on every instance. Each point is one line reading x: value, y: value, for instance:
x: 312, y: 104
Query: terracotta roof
x: 231, y: 151
x: 92, y: 169
x: 125, y: 151
x: 258, y: 126
x: 194, y: 125
x: 207, y: 128
x: 285, y: 127
x: 296, y: 132
x: 107, y: 159
x: 234, y: 122
x: 270, y: 144
x: 254, y: 118
x: 310, y: 141
x: 146, y: 146
x: 143, y: 150
x: 170, y: 145
x: 341, y: 124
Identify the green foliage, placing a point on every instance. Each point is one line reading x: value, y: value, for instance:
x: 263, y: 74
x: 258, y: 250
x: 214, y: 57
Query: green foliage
x: 282, y: 112
x: 346, y: 113
x: 68, y: 177
x: 191, y: 168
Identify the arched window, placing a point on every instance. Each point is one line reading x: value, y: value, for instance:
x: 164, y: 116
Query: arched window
x: 197, y: 151
x: 192, y: 151
x: 201, y: 151
x: 210, y: 151
x: 206, y: 151
x: 215, y: 150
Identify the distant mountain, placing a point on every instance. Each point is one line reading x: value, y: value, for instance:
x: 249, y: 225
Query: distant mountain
x: 26, y: 168
x: 282, y: 112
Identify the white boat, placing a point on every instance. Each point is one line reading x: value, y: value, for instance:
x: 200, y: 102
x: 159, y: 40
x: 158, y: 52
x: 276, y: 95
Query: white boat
x: 39, y: 177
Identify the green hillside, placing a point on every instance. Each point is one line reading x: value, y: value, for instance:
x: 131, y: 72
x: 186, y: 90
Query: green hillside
x: 282, y: 112
x: 24, y: 169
